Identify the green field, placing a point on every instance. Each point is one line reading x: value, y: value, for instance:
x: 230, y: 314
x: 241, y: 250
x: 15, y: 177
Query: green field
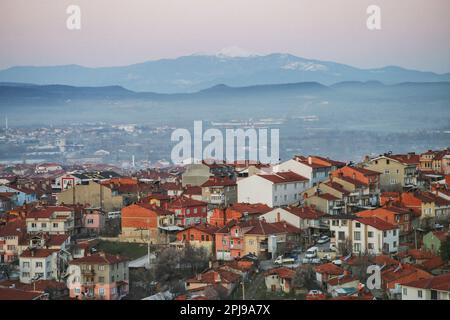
x: 129, y: 250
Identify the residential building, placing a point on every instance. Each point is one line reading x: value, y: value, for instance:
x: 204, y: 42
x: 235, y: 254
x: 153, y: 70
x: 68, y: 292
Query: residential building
x: 254, y: 237
x: 325, y: 202
x: 188, y: 211
x: 307, y: 219
x: 314, y: 168
x: 360, y: 235
x: 397, y: 171
x: 11, y: 236
x: 219, y: 192
x: 52, y: 220
x: 38, y: 264
x: 98, y: 276
x: 237, y: 211
x: 97, y: 195
x: 401, y: 217
x: 143, y: 222
x: 279, y: 279
x: 274, y: 190
x: 23, y: 195
x: 435, y: 288
x: 198, y: 236
x: 433, y: 240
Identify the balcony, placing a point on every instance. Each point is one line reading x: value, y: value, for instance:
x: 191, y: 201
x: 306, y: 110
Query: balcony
x: 217, y: 199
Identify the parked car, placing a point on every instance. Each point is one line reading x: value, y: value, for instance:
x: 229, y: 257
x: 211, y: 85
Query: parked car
x: 315, y: 295
x: 323, y: 239
x: 311, y: 252
x: 337, y: 262
x: 284, y: 260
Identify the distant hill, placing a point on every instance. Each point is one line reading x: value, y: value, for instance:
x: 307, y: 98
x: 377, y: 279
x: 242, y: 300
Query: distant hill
x: 25, y: 93
x: 198, y: 72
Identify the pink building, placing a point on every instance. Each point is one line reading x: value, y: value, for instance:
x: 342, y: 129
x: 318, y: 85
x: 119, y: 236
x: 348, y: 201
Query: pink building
x: 93, y: 221
x: 98, y: 276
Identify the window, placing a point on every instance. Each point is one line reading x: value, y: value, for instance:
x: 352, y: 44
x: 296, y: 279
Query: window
x: 43, y: 225
x: 370, y: 246
x: 192, y: 237
x: 357, y: 235
x: 55, y: 225
x: 395, y: 232
x: 285, y: 197
x: 26, y: 265
x: 25, y: 274
x: 370, y: 234
x: 405, y: 291
x: 33, y: 225
x: 188, y: 211
x: 101, y: 267
x: 38, y: 265
x: 358, y: 225
x: 341, y: 235
x: 203, y: 237
x: 101, y: 291
x: 384, y: 234
x: 90, y: 221
x: 101, y: 279
x: 394, y: 244
x: 387, y: 161
x: 357, y: 247
x: 344, y: 223
x: 195, y: 210
x: 77, y: 290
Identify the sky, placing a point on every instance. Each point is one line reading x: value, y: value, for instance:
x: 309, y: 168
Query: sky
x: 414, y: 33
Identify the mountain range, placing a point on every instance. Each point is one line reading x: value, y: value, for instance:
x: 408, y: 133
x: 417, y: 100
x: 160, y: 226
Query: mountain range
x: 198, y: 72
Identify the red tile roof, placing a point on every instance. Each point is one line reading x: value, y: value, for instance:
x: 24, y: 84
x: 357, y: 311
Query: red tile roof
x: 15, y: 294
x: 250, y: 208
x: 283, y: 177
x: 182, y: 202
x: 441, y: 283
x: 282, y: 272
x: 219, y: 182
x: 329, y: 268
x: 305, y: 212
x: 377, y: 223
x: 100, y: 258
x: 13, y: 228
x: 341, y: 280
x: 38, y: 253
x: 47, y: 212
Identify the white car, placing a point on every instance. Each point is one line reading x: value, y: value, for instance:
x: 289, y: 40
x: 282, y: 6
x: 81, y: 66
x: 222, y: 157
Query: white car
x: 311, y: 252
x: 337, y: 262
x: 323, y: 239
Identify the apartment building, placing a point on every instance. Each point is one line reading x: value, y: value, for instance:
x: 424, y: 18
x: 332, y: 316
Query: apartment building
x: 98, y: 276
x: 364, y: 235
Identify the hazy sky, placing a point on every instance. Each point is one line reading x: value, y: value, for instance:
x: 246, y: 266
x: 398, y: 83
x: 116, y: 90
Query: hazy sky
x: 415, y: 33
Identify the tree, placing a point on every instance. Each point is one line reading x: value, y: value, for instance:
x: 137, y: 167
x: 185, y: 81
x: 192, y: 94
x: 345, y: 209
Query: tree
x: 195, y: 259
x: 445, y: 249
x: 167, y: 267
x: 303, y: 277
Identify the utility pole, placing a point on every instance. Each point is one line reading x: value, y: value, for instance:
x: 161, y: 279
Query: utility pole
x: 243, y: 289
x: 148, y: 243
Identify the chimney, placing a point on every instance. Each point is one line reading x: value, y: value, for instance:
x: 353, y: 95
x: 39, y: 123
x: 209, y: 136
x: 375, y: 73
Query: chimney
x: 309, y: 160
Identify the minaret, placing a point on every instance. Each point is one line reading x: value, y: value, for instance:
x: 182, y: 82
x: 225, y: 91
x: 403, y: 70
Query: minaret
x: 6, y: 124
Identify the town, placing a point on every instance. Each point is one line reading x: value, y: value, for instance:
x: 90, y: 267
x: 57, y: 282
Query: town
x: 307, y: 228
